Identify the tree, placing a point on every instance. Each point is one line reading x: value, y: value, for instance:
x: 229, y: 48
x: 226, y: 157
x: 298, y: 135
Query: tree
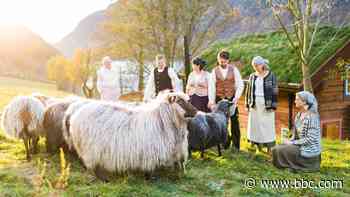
x: 54, y: 71
x: 201, y: 23
x: 142, y: 28
x: 126, y: 37
x: 306, y: 17
x: 83, y: 71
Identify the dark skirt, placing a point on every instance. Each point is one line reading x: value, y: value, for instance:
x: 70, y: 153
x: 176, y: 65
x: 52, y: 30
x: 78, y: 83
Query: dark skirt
x: 200, y: 102
x: 288, y: 156
x: 267, y: 144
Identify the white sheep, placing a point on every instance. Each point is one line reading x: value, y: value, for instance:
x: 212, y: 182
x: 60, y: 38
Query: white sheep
x: 110, y: 137
x: 22, y: 119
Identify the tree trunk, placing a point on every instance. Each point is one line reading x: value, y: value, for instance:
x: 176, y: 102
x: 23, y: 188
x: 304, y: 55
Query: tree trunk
x: 187, y: 59
x: 141, y: 72
x: 306, y: 78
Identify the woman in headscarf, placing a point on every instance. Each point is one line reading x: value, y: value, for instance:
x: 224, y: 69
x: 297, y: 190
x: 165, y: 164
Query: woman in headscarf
x: 303, y: 151
x: 261, y: 102
x: 197, y: 85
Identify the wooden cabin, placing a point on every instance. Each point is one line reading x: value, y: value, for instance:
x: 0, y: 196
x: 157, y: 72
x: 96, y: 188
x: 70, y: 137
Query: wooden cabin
x: 332, y: 93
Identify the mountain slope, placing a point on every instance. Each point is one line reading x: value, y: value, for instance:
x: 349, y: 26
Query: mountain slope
x: 83, y: 35
x: 23, y: 53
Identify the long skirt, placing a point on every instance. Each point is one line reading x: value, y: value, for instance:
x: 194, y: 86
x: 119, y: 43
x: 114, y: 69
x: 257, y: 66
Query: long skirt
x: 288, y: 156
x: 200, y: 102
x: 261, y: 125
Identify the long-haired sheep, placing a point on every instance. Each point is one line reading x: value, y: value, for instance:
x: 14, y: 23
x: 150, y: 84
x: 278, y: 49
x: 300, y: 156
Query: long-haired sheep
x: 113, y: 138
x: 74, y: 107
x: 45, y: 100
x: 209, y: 129
x: 22, y: 118
x: 53, y: 119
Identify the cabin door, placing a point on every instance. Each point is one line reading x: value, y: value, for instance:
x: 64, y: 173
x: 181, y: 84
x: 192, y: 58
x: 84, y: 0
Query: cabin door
x: 331, y: 130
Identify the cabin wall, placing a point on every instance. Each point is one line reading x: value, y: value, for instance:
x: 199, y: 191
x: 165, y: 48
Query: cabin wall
x: 334, y: 107
x: 281, y: 115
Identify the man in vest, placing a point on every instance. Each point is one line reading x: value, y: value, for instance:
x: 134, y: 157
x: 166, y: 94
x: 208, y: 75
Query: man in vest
x: 162, y: 78
x: 226, y: 83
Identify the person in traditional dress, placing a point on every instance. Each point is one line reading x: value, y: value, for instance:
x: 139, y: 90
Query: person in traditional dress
x: 197, y: 85
x: 108, y: 81
x: 161, y: 79
x: 226, y: 83
x: 261, y: 102
x: 303, y: 151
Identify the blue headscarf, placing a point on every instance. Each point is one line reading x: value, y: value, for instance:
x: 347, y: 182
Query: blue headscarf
x: 261, y: 61
x: 310, y: 100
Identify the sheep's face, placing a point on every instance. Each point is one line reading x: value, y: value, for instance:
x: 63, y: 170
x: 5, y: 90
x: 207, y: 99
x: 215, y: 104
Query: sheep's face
x: 223, y: 106
x: 43, y: 99
x: 185, y: 107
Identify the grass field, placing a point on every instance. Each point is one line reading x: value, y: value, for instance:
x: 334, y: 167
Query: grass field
x: 212, y: 176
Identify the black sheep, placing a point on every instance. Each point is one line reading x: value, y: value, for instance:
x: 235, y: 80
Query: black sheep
x: 209, y: 129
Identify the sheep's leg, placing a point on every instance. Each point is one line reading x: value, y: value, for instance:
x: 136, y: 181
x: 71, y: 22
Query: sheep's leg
x: 102, y: 174
x: 219, y: 150
x: 189, y: 153
x: 35, y: 141
x: 180, y: 167
x: 202, y: 153
x: 26, y: 145
x: 149, y: 176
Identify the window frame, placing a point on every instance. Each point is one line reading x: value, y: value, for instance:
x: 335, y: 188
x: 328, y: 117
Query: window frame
x: 346, y: 91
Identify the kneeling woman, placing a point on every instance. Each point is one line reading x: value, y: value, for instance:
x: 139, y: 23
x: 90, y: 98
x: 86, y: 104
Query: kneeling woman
x: 303, y: 151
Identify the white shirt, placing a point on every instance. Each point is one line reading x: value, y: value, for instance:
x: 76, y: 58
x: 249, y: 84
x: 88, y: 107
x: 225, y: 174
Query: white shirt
x: 150, y: 90
x: 239, y: 85
x: 199, y: 83
x: 108, y: 83
x: 259, y: 86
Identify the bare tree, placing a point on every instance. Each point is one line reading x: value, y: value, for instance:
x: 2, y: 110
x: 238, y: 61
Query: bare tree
x: 306, y: 16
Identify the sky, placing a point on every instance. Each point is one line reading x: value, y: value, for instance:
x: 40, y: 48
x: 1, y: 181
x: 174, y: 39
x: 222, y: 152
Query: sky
x: 51, y: 19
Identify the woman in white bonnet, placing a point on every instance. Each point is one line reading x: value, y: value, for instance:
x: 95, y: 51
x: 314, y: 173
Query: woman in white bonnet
x: 261, y: 102
x: 108, y: 83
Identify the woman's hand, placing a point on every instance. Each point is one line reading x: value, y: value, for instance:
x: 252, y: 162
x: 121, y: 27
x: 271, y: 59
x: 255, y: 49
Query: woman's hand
x: 287, y: 142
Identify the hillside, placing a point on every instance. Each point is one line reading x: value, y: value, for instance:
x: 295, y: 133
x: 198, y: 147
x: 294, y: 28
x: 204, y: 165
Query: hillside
x: 255, y: 17
x: 23, y: 53
x: 83, y: 35
x: 275, y: 47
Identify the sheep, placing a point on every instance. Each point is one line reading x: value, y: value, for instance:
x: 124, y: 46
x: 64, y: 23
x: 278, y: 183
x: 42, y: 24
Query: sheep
x: 22, y: 119
x: 66, y: 121
x: 209, y: 129
x: 45, y: 100
x: 111, y: 138
x: 53, y: 118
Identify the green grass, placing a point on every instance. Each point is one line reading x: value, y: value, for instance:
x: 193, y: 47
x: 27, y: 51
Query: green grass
x: 212, y: 176
x: 275, y: 47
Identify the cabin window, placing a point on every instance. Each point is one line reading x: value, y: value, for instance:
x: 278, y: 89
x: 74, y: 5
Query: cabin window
x: 347, y: 85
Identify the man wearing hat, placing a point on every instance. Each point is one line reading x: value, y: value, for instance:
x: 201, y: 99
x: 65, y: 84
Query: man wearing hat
x: 226, y: 83
x: 108, y: 82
